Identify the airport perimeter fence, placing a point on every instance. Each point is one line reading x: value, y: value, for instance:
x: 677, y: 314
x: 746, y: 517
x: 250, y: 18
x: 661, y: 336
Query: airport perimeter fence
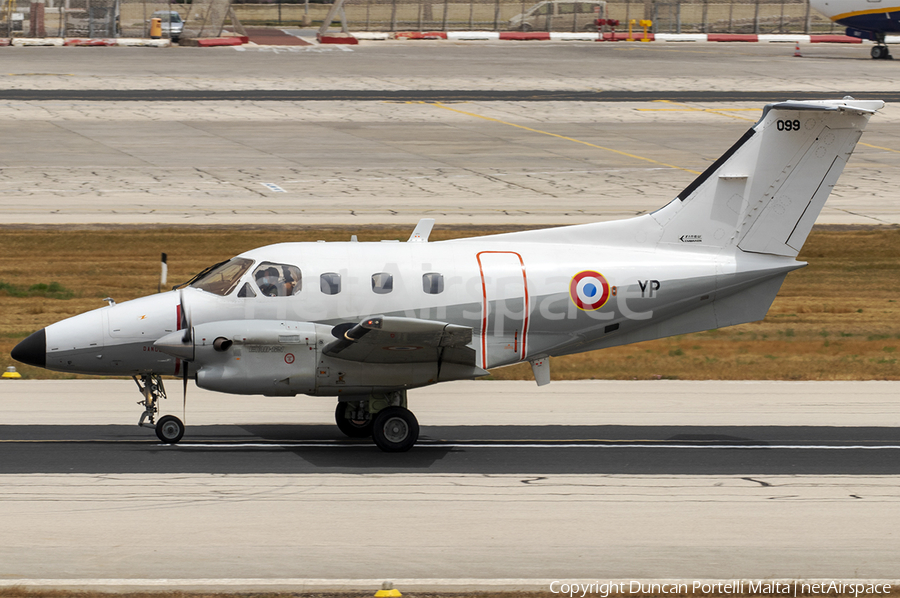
x: 131, y: 18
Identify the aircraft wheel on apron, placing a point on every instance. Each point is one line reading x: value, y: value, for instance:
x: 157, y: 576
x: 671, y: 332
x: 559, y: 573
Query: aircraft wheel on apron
x: 396, y: 429
x: 352, y: 428
x: 169, y: 429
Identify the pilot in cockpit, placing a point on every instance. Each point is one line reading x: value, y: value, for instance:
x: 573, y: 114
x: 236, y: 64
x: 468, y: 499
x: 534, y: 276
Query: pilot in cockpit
x: 277, y: 280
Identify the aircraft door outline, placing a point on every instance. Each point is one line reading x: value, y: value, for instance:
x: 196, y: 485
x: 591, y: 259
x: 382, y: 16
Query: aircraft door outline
x: 492, y: 266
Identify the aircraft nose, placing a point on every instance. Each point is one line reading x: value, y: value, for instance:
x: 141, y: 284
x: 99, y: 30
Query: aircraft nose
x: 33, y: 350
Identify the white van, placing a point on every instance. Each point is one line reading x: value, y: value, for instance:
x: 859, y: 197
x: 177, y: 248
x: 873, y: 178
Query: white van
x: 560, y: 15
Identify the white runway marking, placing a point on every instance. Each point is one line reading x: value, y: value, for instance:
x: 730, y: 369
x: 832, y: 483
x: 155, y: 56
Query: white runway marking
x: 548, y: 445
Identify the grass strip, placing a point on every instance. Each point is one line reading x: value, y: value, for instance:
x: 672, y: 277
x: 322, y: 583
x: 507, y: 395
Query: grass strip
x: 837, y: 319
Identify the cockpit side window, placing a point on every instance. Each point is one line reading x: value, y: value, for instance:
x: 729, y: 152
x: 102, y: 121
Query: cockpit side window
x: 277, y: 280
x: 246, y: 291
x: 222, y: 279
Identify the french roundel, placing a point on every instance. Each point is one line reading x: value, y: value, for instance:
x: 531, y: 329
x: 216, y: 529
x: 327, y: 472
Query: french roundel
x: 589, y: 290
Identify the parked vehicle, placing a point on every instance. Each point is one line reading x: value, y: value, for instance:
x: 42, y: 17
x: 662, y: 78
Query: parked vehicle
x: 560, y: 15
x: 172, y: 23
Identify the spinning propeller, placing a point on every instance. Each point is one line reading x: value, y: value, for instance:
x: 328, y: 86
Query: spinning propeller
x: 186, y: 339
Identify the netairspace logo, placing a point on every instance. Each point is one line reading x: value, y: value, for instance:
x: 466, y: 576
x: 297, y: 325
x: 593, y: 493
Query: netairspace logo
x: 720, y: 588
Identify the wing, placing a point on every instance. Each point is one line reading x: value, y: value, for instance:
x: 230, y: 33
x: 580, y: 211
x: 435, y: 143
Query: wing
x: 389, y: 339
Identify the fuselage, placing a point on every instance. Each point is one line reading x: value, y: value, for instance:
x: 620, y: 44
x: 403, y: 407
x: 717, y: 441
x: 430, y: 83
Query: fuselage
x: 875, y: 16
x: 522, y: 300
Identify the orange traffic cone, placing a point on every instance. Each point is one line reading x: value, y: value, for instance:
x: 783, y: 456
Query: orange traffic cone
x: 797, y: 53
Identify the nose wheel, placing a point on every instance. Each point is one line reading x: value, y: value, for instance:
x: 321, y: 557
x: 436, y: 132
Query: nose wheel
x: 169, y: 429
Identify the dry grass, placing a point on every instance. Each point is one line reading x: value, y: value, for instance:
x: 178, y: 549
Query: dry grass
x: 837, y: 319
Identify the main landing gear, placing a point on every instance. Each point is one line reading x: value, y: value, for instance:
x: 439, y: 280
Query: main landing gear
x: 880, y: 50
x: 881, y: 53
x: 169, y: 429
x: 384, y: 417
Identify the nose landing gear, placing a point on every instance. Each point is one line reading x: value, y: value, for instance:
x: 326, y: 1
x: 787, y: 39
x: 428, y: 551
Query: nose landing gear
x: 169, y: 429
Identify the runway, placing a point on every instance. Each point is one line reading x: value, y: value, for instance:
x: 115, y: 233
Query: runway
x: 512, y: 485
x: 478, y: 428
x: 479, y: 450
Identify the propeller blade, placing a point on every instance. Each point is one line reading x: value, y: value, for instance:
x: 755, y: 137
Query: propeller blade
x: 184, y: 392
x: 185, y: 319
x: 164, y: 273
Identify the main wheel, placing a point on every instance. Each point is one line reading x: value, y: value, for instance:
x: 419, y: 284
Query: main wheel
x: 879, y: 52
x: 352, y: 428
x: 169, y: 429
x: 396, y: 430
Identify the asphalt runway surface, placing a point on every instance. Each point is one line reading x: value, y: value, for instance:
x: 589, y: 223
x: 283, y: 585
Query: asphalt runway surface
x: 481, y: 450
x: 512, y: 486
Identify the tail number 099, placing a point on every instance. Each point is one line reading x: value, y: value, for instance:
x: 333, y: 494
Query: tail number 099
x: 788, y: 125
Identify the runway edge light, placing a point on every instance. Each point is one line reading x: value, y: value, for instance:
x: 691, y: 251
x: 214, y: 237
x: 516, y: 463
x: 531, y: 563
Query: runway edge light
x: 11, y: 373
x: 388, y: 591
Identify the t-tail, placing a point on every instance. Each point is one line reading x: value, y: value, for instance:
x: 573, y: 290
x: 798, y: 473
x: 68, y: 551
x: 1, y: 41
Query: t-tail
x: 745, y: 219
x: 764, y: 194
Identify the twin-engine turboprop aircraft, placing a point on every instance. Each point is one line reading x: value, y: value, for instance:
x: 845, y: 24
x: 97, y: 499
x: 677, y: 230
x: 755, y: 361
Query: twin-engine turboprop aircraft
x: 366, y: 322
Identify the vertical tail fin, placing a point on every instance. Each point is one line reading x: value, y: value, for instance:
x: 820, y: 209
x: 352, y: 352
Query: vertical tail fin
x: 764, y: 194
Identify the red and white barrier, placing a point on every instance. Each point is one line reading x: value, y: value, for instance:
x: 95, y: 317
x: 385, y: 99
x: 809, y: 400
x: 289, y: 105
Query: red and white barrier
x: 90, y: 41
x: 623, y: 36
x: 353, y: 38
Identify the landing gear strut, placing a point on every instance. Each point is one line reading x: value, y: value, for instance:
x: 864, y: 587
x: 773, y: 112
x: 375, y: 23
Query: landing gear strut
x: 169, y: 429
x: 151, y: 387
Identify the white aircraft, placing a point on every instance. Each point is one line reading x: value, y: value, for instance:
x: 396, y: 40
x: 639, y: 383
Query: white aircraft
x: 366, y: 322
x: 865, y: 19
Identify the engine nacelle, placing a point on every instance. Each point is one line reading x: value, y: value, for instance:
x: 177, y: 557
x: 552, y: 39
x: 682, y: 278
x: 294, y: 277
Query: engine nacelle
x: 267, y: 357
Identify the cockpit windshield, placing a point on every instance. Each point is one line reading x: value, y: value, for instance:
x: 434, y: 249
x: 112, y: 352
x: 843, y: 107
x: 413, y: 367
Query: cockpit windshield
x: 222, y: 278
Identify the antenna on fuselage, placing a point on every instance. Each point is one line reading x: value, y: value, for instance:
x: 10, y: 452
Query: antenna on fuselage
x: 422, y: 231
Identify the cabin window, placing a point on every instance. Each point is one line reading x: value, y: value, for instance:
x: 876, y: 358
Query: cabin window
x: 277, y: 280
x: 221, y: 279
x: 382, y: 283
x: 246, y: 291
x: 330, y: 283
x: 433, y: 283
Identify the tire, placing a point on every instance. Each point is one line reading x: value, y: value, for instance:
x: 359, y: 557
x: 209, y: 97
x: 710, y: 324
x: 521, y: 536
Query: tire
x: 396, y: 430
x: 352, y: 428
x: 169, y: 429
x: 879, y: 52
